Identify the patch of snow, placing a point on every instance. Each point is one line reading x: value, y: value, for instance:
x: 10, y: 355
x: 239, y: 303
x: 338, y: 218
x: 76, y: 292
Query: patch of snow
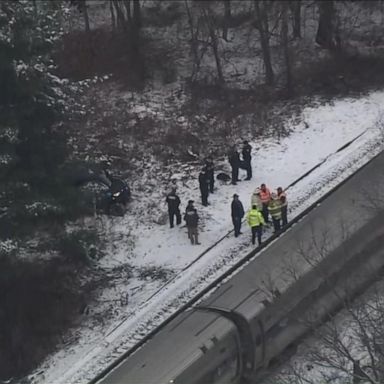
x: 137, y: 240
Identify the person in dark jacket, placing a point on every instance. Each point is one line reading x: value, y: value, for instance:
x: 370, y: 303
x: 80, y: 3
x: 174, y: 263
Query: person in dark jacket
x: 247, y: 157
x: 204, y: 186
x: 192, y: 219
x: 173, y: 202
x: 234, y: 161
x: 237, y: 213
x: 190, y: 206
x: 210, y: 170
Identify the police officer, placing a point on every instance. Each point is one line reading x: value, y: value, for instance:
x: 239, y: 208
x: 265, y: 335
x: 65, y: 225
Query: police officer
x: 247, y: 157
x: 192, y: 219
x: 237, y: 213
x: 173, y: 202
x: 204, y: 186
x: 210, y: 170
x: 234, y: 161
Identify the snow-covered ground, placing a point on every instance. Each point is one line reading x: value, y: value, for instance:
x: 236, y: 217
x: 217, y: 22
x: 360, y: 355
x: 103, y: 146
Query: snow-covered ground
x: 315, y: 138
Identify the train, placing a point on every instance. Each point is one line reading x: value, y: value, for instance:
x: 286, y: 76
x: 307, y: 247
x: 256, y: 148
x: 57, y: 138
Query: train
x: 236, y: 332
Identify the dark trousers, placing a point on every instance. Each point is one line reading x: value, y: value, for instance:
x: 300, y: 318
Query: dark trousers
x: 284, y: 214
x: 172, y: 215
x: 235, y: 174
x: 276, y: 224
x: 211, y: 183
x: 248, y: 168
x: 204, y: 196
x: 237, y: 225
x: 265, y: 212
x: 257, y: 230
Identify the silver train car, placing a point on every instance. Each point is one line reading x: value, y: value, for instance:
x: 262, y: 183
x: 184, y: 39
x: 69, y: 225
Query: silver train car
x: 234, y: 334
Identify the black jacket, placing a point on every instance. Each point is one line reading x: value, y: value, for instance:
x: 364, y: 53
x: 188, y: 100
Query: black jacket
x: 234, y: 158
x: 173, y: 202
x: 191, y: 218
x: 237, y: 209
x: 210, y: 169
x: 203, y: 182
x: 246, y: 152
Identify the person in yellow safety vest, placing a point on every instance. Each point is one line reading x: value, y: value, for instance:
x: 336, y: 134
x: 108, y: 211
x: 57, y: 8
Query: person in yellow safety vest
x: 284, y: 205
x: 256, y: 221
x: 256, y: 199
x: 274, y: 208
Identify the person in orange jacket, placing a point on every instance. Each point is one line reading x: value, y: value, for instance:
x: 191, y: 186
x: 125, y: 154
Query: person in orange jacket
x: 265, y: 197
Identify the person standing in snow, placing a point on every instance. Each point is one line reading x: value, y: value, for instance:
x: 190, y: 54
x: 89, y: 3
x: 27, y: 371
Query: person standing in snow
x: 190, y: 206
x: 274, y: 208
x: 256, y: 200
x: 172, y: 185
x: 192, y: 219
x: 247, y: 158
x: 256, y: 221
x: 284, y: 205
x: 210, y: 170
x: 173, y: 202
x: 265, y: 196
x: 234, y: 161
x: 237, y: 213
x: 204, y: 186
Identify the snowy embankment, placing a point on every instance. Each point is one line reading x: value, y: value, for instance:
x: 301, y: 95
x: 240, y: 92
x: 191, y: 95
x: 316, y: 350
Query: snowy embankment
x: 316, y: 139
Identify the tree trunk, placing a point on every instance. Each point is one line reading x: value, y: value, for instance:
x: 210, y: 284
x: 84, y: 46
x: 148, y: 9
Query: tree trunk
x: 136, y: 14
x: 113, y: 18
x: 34, y: 8
x: 285, y: 41
x: 127, y: 4
x: 121, y: 22
x: 217, y: 56
x: 227, y: 17
x: 84, y: 10
x: 296, y: 21
x: 262, y: 26
x: 207, y: 13
x: 194, y: 43
x: 327, y: 34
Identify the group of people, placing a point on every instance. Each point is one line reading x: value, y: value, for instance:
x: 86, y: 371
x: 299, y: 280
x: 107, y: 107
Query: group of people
x: 207, y: 178
x: 190, y: 216
x: 264, y: 204
x: 236, y: 162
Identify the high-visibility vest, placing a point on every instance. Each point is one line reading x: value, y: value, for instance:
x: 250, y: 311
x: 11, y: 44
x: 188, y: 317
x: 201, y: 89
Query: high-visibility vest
x: 265, y: 196
x: 274, y: 208
x: 283, y: 199
x: 254, y: 218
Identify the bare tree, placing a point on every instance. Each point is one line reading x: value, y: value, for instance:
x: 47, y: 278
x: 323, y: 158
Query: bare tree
x: 327, y: 32
x: 210, y: 24
x: 286, y: 48
x: 127, y: 5
x: 262, y: 24
x: 227, y: 18
x: 113, y: 17
x: 295, y: 7
x: 120, y: 16
x: 82, y: 6
x: 136, y: 14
